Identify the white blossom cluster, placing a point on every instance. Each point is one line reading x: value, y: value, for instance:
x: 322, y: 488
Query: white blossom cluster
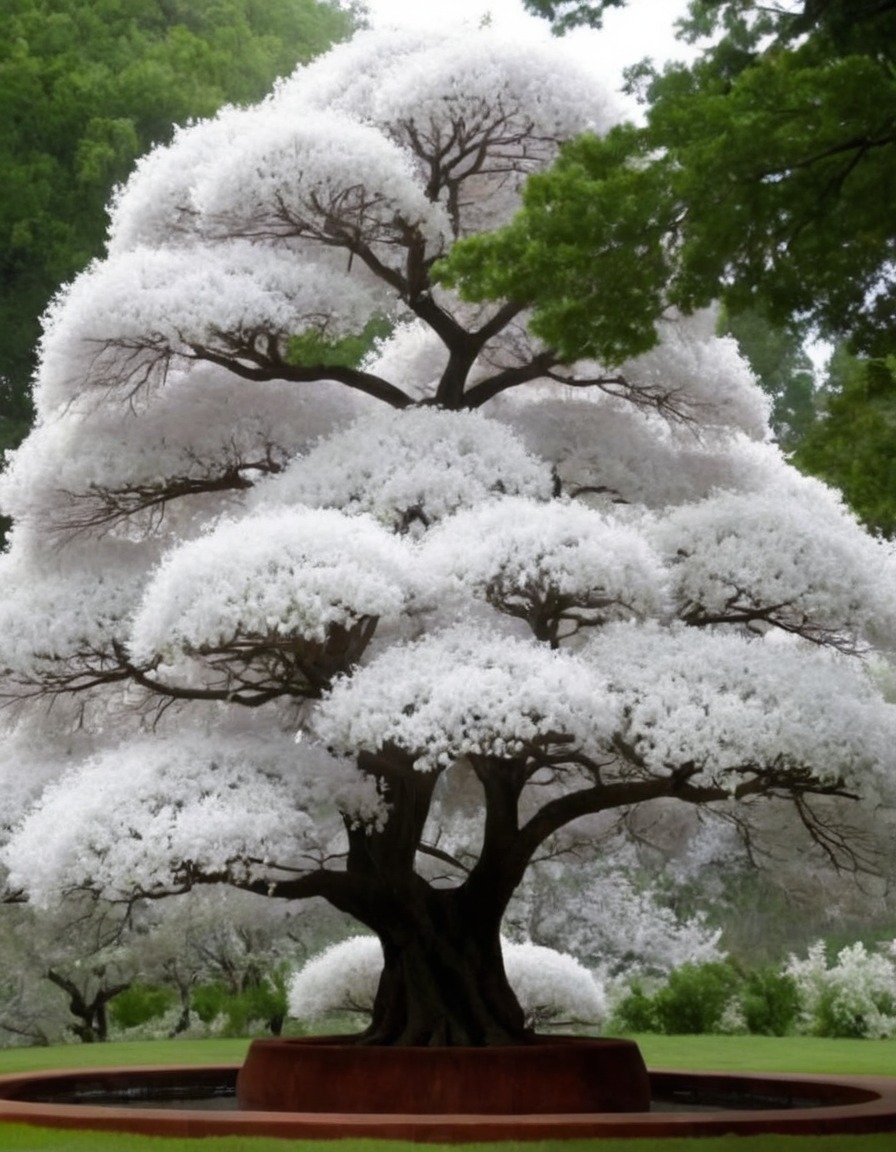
x: 719, y: 548
x: 467, y: 691
x: 855, y: 996
x: 716, y: 704
x: 189, y: 802
x: 515, y: 554
x: 409, y: 469
x: 285, y: 573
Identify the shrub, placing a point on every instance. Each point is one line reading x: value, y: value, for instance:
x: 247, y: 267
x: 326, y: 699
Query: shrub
x: 635, y: 1012
x: 260, y: 1006
x: 209, y: 1001
x: 139, y: 1004
x: 693, y: 1000
x: 854, y: 997
x: 553, y: 988
x: 770, y: 1002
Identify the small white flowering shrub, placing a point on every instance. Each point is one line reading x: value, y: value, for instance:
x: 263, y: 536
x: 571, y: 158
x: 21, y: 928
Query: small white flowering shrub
x: 553, y: 988
x: 853, y: 997
x: 342, y: 978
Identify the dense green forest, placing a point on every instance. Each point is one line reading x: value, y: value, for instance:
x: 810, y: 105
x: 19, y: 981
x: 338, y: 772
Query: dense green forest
x: 86, y: 87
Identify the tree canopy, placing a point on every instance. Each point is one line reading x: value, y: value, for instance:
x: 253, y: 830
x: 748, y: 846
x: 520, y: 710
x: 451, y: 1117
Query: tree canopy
x: 384, y: 630
x: 758, y: 179
x: 86, y: 87
x: 771, y: 154
x: 853, y: 443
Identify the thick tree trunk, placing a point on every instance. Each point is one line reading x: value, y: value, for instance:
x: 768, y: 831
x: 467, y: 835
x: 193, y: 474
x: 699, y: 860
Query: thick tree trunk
x: 444, y: 983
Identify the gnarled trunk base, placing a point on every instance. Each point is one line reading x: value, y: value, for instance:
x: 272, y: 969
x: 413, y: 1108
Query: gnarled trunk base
x: 451, y: 991
x: 548, y: 1075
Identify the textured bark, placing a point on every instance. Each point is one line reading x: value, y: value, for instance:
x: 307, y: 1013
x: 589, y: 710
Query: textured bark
x: 443, y: 981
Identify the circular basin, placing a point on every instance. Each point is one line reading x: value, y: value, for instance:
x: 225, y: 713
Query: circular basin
x: 202, y: 1101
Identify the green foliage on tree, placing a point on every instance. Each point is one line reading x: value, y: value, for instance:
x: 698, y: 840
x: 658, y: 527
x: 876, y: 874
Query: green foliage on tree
x: 567, y: 14
x: 782, y: 141
x: 587, y: 252
x: 87, y: 86
x: 853, y: 444
x: 767, y: 165
x: 345, y: 351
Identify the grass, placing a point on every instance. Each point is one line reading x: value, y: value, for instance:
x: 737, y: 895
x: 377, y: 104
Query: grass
x: 811, y: 1054
x: 740, y: 1053
x: 122, y: 1055
x: 18, y: 1138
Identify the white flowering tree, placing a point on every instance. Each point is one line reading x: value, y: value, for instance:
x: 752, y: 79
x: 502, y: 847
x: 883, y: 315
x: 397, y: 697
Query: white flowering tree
x: 380, y: 629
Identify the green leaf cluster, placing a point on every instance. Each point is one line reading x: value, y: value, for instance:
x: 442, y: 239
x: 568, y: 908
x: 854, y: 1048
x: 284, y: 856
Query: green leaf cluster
x: 784, y: 169
x: 568, y: 14
x: 316, y: 348
x: 587, y: 253
x: 853, y: 443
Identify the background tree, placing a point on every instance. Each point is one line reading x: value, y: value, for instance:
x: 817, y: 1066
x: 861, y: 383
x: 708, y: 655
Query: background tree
x: 853, y: 444
x: 777, y: 148
x: 62, y: 971
x: 567, y: 14
x: 87, y: 86
x: 785, y: 372
x: 762, y: 164
x: 490, y: 587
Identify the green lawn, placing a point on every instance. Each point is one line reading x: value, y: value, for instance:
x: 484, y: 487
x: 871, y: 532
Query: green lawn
x: 743, y: 1053
x: 771, y: 1054
x: 122, y: 1055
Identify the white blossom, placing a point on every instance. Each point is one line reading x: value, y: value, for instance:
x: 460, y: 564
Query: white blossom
x: 721, y: 706
x: 855, y: 996
x: 290, y: 572
x: 465, y: 691
x: 197, y: 427
x: 521, y: 556
x: 410, y: 468
x: 223, y: 804
x: 801, y: 562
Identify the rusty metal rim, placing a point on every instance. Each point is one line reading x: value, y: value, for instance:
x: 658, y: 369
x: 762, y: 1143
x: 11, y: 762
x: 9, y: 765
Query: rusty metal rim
x: 862, y: 1104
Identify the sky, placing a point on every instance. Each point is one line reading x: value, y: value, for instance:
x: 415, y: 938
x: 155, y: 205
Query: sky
x: 642, y: 28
